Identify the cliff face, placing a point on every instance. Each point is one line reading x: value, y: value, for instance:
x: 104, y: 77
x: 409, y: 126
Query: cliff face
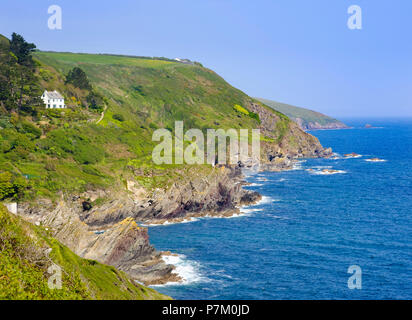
x: 110, y: 234
x: 123, y: 244
x: 305, y: 118
x: 288, y: 142
x: 309, y: 125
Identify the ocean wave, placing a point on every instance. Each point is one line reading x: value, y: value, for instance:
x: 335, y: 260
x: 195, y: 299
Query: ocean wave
x: 188, y: 270
x: 353, y: 156
x: 298, y: 165
x: 254, y: 184
x: 375, y: 160
x: 247, y: 210
x: 265, y: 200
x: 325, y: 172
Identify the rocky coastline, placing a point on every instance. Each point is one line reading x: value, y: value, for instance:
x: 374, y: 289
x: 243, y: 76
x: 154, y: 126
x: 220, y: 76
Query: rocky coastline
x: 113, y: 232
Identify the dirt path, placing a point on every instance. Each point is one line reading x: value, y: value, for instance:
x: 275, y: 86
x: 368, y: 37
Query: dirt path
x: 102, y: 115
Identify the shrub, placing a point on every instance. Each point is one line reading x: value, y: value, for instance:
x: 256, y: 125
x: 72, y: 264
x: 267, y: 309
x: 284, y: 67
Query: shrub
x: 10, y: 186
x: 254, y: 116
x: 29, y: 128
x: 118, y: 117
x: 241, y: 109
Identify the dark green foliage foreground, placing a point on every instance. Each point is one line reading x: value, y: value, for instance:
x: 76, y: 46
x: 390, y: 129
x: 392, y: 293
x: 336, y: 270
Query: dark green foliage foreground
x: 24, y: 264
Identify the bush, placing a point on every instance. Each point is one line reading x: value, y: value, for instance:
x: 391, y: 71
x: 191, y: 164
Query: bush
x: 95, y: 101
x: 254, y: 116
x: 241, y: 109
x: 10, y: 186
x: 118, y: 117
x: 29, y: 128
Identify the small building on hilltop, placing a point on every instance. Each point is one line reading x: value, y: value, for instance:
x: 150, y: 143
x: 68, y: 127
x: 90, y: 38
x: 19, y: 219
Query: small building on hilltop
x: 53, y: 100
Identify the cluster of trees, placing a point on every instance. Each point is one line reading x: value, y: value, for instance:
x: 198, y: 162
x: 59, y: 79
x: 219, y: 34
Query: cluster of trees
x: 78, y: 78
x: 19, y: 86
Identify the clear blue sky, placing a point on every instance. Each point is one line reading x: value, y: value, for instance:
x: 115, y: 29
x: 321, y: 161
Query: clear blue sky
x: 295, y: 51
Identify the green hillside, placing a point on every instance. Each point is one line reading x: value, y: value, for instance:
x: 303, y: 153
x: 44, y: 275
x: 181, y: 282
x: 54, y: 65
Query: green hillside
x: 157, y: 91
x: 24, y: 264
x: 307, y: 119
x: 70, y: 150
x: 100, y: 143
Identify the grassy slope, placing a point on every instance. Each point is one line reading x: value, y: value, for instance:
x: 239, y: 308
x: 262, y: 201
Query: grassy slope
x: 296, y: 112
x: 74, y: 154
x: 156, y: 92
x: 23, y: 268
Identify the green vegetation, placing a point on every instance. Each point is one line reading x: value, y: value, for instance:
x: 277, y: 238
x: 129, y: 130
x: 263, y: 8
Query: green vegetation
x: 48, y: 151
x: 24, y: 264
x: 19, y: 86
x: 78, y: 78
x: 241, y: 109
x: 246, y: 112
x: 307, y: 116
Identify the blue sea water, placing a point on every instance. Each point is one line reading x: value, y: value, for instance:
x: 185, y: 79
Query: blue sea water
x: 300, y: 241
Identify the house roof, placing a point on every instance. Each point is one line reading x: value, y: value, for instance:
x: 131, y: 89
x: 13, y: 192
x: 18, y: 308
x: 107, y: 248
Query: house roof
x: 53, y: 94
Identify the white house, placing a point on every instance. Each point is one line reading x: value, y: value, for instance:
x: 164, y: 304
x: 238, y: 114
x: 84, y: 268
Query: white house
x: 53, y: 100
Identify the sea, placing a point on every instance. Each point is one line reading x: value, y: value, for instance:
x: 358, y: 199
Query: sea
x: 338, y: 228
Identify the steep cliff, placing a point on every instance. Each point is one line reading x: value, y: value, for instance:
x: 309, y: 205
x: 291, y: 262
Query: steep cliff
x: 305, y: 118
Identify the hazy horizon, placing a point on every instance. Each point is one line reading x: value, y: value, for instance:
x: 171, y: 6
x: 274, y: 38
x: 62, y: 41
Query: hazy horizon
x: 301, y: 54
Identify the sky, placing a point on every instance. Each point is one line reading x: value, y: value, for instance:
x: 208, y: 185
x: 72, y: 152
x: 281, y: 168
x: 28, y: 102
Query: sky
x: 299, y: 52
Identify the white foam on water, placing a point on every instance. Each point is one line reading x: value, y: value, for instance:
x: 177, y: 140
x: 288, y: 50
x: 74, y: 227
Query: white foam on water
x: 380, y: 160
x: 319, y: 172
x: 248, y: 210
x: 354, y: 157
x: 265, y: 200
x: 321, y: 167
x: 188, y: 270
x: 298, y: 165
x: 254, y: 185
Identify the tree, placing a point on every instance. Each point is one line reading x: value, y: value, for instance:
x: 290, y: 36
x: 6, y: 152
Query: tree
x: 22, y: 50
x: 19, y: 86
x: 78, y: 78
x: 8, y: 76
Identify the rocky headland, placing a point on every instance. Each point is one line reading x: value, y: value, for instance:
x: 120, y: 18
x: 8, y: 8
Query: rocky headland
x: 113, y: 232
